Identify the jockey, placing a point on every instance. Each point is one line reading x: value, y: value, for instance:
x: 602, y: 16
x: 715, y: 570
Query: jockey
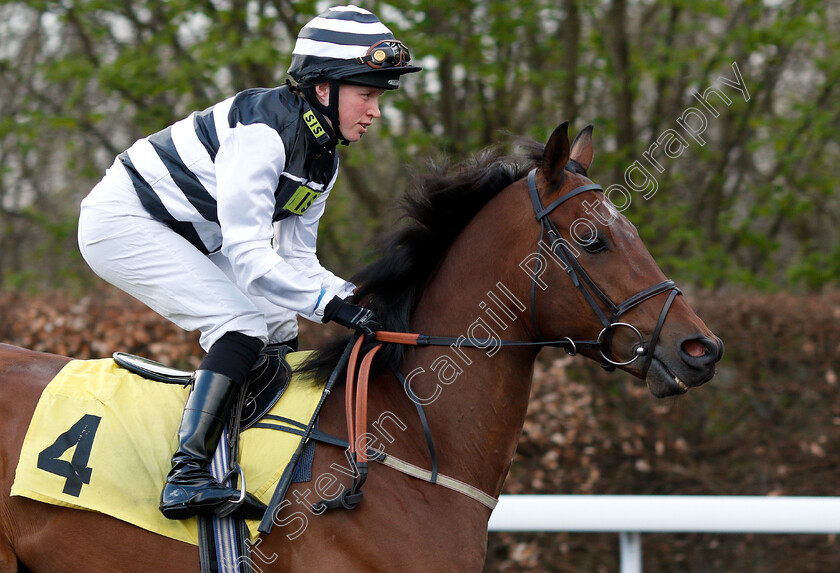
x: 213, y: 221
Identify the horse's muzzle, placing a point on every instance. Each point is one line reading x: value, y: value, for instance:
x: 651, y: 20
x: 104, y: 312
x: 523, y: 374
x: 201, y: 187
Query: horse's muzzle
x: 701, y: 352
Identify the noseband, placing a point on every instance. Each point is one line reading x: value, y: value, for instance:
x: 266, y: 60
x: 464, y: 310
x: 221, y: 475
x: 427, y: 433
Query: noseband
x: 590, y: 290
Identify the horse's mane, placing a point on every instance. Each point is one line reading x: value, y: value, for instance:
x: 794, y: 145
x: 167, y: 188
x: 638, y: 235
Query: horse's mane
x: 444, y: 200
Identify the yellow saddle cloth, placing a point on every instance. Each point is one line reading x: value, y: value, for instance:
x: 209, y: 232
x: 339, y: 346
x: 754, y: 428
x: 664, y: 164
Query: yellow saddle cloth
x: 101, y: 439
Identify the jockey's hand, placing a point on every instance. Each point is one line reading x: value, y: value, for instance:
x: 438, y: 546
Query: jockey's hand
x: 352, y: 316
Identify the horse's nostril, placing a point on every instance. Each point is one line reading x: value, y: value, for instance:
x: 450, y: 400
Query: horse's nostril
x: 694, y: 348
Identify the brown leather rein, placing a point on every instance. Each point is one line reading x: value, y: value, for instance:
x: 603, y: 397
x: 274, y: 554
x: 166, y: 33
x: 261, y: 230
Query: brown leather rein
x: 356, y: 397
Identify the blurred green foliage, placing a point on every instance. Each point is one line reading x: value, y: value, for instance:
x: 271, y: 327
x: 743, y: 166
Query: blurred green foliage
x: 755, y: 205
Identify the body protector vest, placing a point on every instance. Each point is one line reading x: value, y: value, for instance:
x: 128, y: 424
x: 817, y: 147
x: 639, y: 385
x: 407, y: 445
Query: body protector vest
x: 174, y: 170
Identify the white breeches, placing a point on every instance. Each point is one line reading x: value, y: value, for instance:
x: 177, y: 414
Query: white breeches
x: 148, y: 260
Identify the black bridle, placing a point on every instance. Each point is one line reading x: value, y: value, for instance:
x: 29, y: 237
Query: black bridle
x: 585, y: 285
x: 590, y: 290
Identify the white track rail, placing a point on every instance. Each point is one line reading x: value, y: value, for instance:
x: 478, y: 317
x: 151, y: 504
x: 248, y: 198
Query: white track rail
x: 632, y: 515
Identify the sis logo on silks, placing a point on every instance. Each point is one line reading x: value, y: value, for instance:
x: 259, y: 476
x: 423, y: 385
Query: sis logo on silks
x: 314, y: 125
x: 301, y: 200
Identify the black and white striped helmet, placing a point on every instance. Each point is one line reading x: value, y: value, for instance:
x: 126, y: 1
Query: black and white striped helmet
x: 349, y: 44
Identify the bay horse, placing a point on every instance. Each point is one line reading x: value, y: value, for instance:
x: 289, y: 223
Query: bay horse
x: 480, y: 259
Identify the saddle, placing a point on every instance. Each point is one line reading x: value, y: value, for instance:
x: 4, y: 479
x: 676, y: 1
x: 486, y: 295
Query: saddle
x: 266, y: 382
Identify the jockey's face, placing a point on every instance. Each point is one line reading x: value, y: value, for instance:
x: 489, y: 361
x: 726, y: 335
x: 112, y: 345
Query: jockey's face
x: 358, y: 106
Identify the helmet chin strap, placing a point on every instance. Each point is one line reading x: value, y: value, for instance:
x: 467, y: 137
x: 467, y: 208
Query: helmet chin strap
x: 335, y: 85
x: 330, y: 110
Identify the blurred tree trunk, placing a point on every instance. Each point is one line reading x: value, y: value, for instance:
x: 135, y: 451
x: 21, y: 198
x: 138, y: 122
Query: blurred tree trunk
x: 623, y: 81
x: 571, y: 55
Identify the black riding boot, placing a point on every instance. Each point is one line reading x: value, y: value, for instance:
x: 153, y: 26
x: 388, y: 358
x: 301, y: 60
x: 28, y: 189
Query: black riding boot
x: 190, y: 487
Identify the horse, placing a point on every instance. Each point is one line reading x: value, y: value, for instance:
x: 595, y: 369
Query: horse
x: 482, y: 260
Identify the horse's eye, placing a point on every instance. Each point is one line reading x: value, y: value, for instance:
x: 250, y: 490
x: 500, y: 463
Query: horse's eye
x: 595, y: 244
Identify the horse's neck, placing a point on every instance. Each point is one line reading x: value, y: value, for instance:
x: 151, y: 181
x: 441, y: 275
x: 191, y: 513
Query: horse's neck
x: 482, y: 394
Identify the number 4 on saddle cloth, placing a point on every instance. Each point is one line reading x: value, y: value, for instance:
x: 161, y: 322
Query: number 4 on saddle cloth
x: 102, y: 436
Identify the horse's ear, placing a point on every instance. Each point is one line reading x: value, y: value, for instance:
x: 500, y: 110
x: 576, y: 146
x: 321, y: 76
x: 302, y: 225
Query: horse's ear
x: 582, y: 150
x: 556, y: 154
